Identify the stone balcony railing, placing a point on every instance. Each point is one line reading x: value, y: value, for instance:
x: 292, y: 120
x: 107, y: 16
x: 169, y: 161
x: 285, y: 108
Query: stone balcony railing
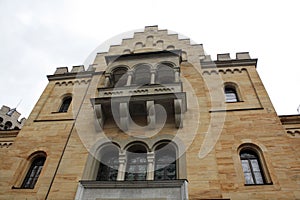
x: 140, y: 90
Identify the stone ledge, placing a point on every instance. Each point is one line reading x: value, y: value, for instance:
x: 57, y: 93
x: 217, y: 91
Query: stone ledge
x: 133, y: 184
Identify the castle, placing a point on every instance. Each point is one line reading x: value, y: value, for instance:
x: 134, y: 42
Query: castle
x: 154, y: 118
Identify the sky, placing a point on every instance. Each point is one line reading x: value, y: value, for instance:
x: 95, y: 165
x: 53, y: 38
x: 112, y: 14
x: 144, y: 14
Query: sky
x: 37, y: 36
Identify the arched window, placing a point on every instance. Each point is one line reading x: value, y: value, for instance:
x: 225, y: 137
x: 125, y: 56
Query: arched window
x: 252, y: 167
x: 33, y: 173
x: 165, y: 162
x: 136, y: 163
x: 230, y: 94
x: 119, y: 77
x: 109, y: 164
x: 165, y: 74
x: 1, y: 120
x: 7, y: 125
x: 142, y: 75
x: 65, y: 104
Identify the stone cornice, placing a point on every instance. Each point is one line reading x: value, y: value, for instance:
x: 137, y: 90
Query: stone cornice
x: 72, y: 75
x: 228, y: 63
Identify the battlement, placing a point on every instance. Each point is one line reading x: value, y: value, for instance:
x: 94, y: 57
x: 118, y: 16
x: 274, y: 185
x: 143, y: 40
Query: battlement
x: 9, y: 118
x: 77, y: 71
x: 224, y: 60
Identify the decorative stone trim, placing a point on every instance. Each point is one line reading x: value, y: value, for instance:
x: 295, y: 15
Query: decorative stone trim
x: 78, y: 82
x: 5, y: 144
x: 294, y: 133
x: 223, y: 71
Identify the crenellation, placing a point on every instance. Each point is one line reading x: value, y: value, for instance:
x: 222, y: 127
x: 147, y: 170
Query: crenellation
x: 223, y: 57
x: 61, y: 70
x: 242, y: 55
x: 76, y: 69
x: 9, y: 118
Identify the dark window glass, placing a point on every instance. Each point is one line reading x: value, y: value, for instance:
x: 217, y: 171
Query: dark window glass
x: 33, y: 173
x: 165, y: 165
x: 251, y: 167
x: 165, y: 74
x: 119, y: 77
x: 7, y: 125
x: 65, y: 104
x: 230, y: 94
x: 136, y: 166
x: 142, y: 75
x: 108, y: 169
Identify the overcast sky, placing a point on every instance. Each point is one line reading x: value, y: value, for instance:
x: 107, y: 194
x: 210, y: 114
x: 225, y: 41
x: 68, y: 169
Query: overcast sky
x: 37, y: 36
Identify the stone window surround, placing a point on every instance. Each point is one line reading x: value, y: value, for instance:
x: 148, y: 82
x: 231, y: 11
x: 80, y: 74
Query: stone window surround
x: 131, y: 73
x: 235, y: 87
x: 25, y: 166
x: 259, y: 153
x: 92, y: 165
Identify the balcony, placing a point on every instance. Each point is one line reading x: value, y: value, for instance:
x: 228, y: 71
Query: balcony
x: 125, y: 101
x: 113, y: 190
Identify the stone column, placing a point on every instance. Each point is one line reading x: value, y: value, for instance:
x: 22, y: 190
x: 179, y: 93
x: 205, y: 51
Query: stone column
x: 122, y: 167
x: 151, y: 121
x: 99, y: 115
x: 129, y: 78
x: 124, y: 116
x: 177, y: 75
x: 153, y: 73
x: 107, y: 80
x: 178, y: 113
x: 150, y: 167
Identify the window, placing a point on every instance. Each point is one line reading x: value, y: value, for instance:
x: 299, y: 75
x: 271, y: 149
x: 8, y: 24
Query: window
x: 165, y: 163
x: 251, y: 167
x: 119, y: 77
x: 165, y: 74
x: 230, y: 94
x: 136, y: 163
x: 33, y: 173
x: 142, y: 75
x: 7, y: 125
x: 108, y: 169
x: 65, y: 104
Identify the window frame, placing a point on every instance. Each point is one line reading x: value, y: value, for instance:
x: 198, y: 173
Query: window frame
x: 163, y: 70
x: 261, y: 162
x: 142, y: 72
x: 121, y: 76
x: 64, y: 106
x: 105, y: 154
x: 234, y: 91
x: 33, y: 172
x: 135, y: 151
x: 25, y: 167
